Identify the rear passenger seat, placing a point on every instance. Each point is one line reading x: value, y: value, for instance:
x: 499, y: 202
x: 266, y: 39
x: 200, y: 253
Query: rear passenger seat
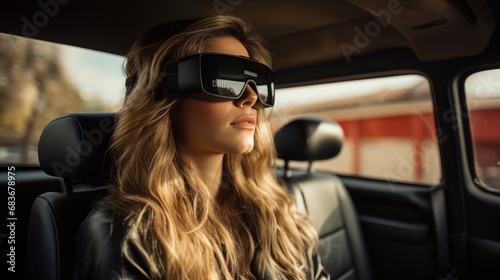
x: 323, y: 196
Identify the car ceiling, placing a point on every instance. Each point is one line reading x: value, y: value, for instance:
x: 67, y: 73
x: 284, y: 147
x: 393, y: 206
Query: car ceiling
x: 298, y: 32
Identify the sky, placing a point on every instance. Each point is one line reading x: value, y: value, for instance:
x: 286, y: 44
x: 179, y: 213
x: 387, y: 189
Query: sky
x: 95, y: 73
x: 340, y: 90
x: 484, y: 84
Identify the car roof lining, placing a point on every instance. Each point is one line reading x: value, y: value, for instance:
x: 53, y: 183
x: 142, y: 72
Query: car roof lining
x: 296, y: 30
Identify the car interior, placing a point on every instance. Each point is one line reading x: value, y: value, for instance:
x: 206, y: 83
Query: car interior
x: 373, y: 222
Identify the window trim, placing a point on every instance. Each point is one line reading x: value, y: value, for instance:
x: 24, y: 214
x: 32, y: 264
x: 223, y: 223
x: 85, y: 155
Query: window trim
x: 464, y: 128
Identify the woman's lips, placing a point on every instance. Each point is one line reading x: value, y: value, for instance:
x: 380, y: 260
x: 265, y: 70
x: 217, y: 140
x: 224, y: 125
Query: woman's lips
x: 246, y: 122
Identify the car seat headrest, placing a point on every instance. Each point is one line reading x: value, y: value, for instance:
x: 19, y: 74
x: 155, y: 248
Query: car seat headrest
x: 309, y: 139
x: 75, y: 146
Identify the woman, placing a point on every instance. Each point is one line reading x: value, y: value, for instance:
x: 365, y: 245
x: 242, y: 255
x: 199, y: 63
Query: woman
x: 195, y: 195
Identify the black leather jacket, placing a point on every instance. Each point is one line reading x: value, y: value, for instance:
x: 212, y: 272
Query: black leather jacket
x: 107, y: 249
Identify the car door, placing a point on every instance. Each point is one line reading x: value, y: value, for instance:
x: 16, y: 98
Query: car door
x: 477, y: 228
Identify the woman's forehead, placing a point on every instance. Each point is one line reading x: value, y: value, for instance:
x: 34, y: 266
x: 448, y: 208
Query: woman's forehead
x: 226, y: 44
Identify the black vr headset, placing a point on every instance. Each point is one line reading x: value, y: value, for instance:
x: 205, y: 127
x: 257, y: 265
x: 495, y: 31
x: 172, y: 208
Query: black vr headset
x: 215, y: 77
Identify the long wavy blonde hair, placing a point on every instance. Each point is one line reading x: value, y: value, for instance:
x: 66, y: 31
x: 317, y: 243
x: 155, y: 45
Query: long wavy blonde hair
x: 187, y: 235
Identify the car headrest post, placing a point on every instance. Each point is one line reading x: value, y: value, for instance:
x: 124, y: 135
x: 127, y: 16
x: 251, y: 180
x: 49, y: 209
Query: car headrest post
x: 67, y: 186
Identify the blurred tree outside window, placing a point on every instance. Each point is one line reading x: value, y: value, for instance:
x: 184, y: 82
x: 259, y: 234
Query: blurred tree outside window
x: 40, y: 81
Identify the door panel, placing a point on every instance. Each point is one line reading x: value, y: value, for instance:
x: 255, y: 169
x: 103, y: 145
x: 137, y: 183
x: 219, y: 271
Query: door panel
x: 483, y: 232
x: 404, y: 227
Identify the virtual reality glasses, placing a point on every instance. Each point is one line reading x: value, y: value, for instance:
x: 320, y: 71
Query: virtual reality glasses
x: 215, y: 77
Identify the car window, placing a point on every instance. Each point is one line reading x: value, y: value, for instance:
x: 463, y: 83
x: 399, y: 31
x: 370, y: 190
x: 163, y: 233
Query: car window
x: 40, y: 81
x: 482, y: 92
x: 388, y: 123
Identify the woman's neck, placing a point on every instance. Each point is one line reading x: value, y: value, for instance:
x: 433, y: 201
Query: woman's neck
x: 209, y: 168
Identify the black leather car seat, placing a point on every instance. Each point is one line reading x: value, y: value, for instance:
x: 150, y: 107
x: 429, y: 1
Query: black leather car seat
x: 323, y: 196
x: 74, y: 148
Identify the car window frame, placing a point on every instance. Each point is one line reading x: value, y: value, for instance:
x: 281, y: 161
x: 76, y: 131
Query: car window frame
x: 366, y: 74
x: 464, y: 131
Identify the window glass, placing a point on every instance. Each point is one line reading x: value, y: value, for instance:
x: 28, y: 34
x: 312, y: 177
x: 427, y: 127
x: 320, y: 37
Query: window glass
x: 482, y: 91
x: 40, y: 81
x: 388, y: 124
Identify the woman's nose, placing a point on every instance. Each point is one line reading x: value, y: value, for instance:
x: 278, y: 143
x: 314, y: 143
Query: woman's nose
x: 248, y: 98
